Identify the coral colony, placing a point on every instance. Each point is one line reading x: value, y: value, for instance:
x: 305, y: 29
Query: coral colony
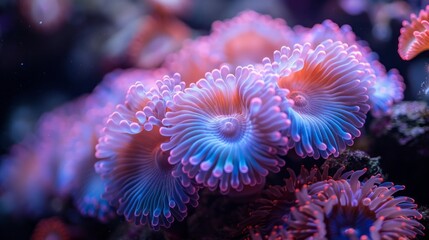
x: 221, y: 117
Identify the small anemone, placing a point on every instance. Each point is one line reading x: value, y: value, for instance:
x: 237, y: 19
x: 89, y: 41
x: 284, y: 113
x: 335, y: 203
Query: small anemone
x: 225, y: 130
x: 414, y: 37
x: 115, y: 84
x: 326, y: 95
x: 248, y: 38
x: 324, y: 31
x: 349, y: 208
x: 26, y: 180
x: 155, y: 39
x: 193, y: 60
x: 51, y: 228
x: 138, y: 177
x: 388, y: 89
x: 46, y: 16
x: 354, y: 159
x: 56, y: 137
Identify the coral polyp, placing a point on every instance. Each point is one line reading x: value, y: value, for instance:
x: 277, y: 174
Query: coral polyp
x: 327, y: 95
x: 351, y: 209
x: 139, y: 179
x: 225, y: 130
x: 248, y: 38
x: 388, y: 89
x: 414, y: 37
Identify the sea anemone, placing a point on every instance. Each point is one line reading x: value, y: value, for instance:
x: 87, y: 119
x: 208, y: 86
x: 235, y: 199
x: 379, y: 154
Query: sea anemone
x: 113, y: 89
x: 324, y: 31
x: 193, y: 60
x: 179, y: 7
x: 83, y: 134
x: 55, y: 138
x: 248, y: 38
x: 327, y: 95
x: 38, y: 168
x: 388, y: 89
x: 26, y: 180
x: 46, y: 15
x: 88, y: 199
x: 51, y: 228
x: 414, y: 37
x: 88, y: 185
x: 267, y: 214
x: 220, y: 212
x: 156, y: 38
x: 225, y: 130
x: 354, y: 159
x: 136, y: 170
x: 349, y: 208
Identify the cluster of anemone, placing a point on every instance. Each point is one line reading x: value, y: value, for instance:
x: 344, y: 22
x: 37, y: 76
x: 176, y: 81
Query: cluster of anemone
x: 143, y: 143
x: 38, y: 167
x: 58, y: 160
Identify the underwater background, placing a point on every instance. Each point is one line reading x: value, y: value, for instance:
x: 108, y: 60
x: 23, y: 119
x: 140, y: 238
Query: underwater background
x: 74, y: 165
